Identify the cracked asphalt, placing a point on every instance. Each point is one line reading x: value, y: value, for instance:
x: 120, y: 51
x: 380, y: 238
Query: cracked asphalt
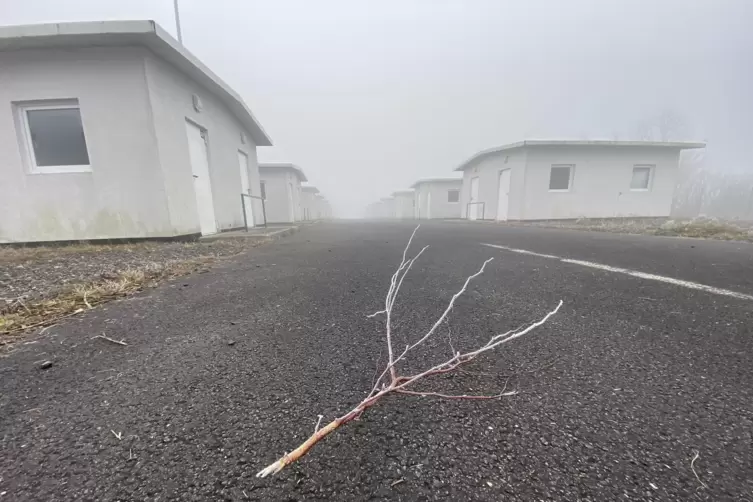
x: 225, y: 371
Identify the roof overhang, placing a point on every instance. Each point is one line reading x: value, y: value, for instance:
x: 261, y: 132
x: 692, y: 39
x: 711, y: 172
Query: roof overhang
x: 677, y: 145
x: 403, y: 192
x: 144, y: 33
x: 311, y: 189
x: 285, y: 166
x: 436, y: 180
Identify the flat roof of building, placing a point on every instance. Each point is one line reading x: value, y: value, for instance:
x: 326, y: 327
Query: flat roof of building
x: 679, y: 145
x: 310, y: 188
x: 144, y: 33
x: 284, y: 165
x: 436, y: 180
x: 403, y: 192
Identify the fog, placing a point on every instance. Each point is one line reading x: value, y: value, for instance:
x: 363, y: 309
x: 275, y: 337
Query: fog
x: 368, y: 96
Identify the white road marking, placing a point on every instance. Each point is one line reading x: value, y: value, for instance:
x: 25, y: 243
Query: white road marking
x: 634, y: 273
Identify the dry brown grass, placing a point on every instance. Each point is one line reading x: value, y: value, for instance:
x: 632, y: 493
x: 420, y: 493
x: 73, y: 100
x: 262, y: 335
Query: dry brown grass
x: 17, y: 316
x: 701, y: 228
x: 705, y: 229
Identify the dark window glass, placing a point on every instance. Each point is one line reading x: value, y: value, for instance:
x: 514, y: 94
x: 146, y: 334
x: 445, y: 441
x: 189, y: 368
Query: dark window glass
x: 57, y: 136
x: 559, y: 178
x: 453, y: 195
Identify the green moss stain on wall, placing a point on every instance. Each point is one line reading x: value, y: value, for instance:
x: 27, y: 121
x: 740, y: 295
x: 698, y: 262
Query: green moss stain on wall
x: 49, y: 224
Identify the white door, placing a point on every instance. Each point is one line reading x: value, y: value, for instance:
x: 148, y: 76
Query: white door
x: 248, y: 203
x: 503, y: 195
x: 202, y: 185
x: 473, y: 207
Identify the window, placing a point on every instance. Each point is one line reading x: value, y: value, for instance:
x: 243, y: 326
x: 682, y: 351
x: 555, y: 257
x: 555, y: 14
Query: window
x: 263, y: 188
x: 53, y: 136
x: 453, y: 195
x: 560, y: 178
x: 641, y: 177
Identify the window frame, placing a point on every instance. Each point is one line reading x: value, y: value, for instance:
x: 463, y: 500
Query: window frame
x: 30, y: 156
x: 649, y: 183
x: 456, y: 190
x: 570, y: 178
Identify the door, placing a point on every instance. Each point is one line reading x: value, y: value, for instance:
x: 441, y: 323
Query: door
x: 248, y: 204
x: 473, y: 201
x: 202, y: 185
x: 503, y: 195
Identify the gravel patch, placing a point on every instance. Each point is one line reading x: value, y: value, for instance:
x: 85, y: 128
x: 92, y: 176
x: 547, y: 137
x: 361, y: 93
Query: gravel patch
x: 41, y: 283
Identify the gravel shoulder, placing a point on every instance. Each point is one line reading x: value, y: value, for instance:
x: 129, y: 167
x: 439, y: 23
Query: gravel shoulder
x: 38, y: 285
x: 617, y: 392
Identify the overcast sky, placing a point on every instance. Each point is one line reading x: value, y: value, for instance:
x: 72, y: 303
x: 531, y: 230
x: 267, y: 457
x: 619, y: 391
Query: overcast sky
x: 390, y: 91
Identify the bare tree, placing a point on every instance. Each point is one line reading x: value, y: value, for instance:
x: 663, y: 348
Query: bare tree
x: 668, y: 125
x: 390, y: 381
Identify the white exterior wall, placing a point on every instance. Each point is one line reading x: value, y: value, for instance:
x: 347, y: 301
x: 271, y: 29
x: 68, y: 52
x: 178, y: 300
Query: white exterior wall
x: 388, y: 208
x: 600, y: 185
x: 440, y: 208
x: 171, y: 97
x: 404, y: 205
x: 488, y: 170
x: 308, y: 205
x: 278, y: 206
x: 133, y: 108
x: 123, y: 195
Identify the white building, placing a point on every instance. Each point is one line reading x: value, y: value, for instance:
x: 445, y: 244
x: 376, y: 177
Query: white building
x: 322, y: 208
x: 558, y: 179
x: 114, y: 130
x: 404, y: 204
x: 309, y: 203
x: 437, y: 198
x: 387, y: 207
x: 281, y: 189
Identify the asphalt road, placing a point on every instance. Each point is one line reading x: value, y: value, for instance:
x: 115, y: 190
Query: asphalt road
x: 617, y: 392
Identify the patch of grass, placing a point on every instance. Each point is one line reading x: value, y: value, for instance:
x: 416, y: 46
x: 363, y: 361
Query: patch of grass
x: 705, y: 229
x: 701, y: 228
x: 18, y: 316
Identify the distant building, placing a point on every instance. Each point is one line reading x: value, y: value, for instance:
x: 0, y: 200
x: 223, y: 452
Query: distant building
x: 387, y: 207
x: 437, y: 198
x: 322, y: 208
x: 114, y: 130
x: 558, y: 179
x: 309, y: 202
x: 404, y: 204
x: 281, y: 189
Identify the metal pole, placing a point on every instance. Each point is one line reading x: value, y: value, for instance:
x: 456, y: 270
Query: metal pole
x: 243, y: 206
x: 177, y: 21
x: 264, y: 211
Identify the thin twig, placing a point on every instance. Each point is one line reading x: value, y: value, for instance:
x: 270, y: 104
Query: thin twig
x: 395, y: 483
x: 692, y: 467
x: 45, y: 322
x: 86, y: 302
x: 107, y: 338
x: 118, y: 435
x: 41, y: 331
x: 398, y: 384
x: 451, y: 396
x: 318, y: 423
